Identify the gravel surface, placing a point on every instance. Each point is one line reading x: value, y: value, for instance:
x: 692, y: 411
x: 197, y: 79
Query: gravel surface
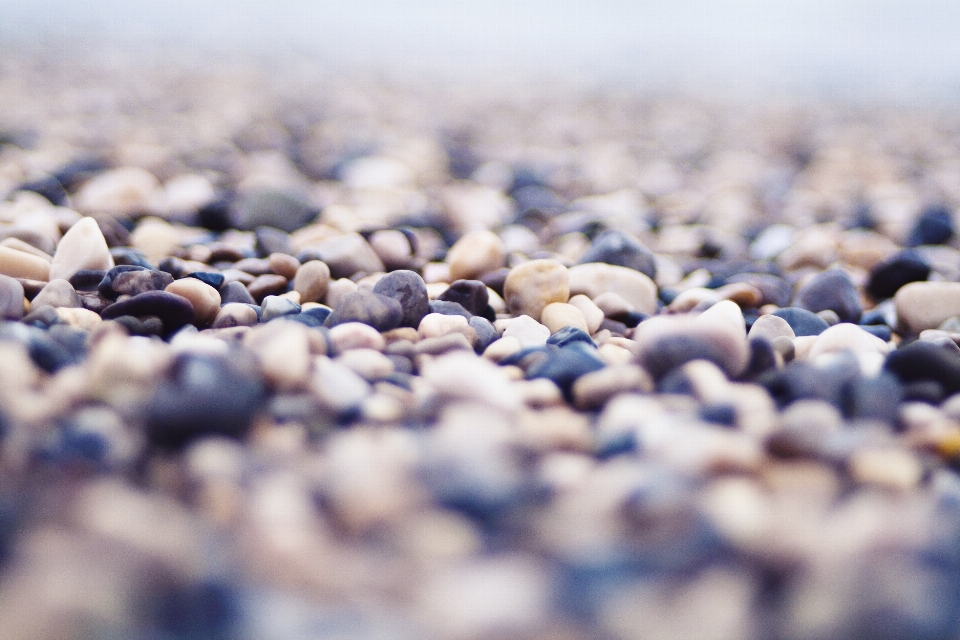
x: 293, y: 356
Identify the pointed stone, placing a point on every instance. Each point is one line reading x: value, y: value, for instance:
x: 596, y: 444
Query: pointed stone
x: 82, y: 247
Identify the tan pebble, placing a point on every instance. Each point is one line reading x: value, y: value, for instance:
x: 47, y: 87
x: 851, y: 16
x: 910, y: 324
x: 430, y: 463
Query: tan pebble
x: 283, y: 265
x: 528, y: 331
x: 392, y: 247
x: 156, y: 238
x: 379, y: 407
x: 80, y: 318
x: 495, y: 301
x: 460, y: 374
x: 846, y: 336
x: 539, y: 393
x: 771, y: 327
x: 594, y: 278
x: 204, y: 298
x: 435, y: 325
x: 558, y: 315
x: 889, y: 468
x: 284, y: 353
x: 118, y: 192
x: 337, y: 289
x: 829, y: 316
x: 500, y: 349
x: 235, y: 314
x: 19, y: 264
x: 531, y: 286
x: 926, y: 305
x: 355, y: 335
x: 293, y: 296
x: 815, y: 246
x: 474, y: 254
x: 436, y: 272
x: 592, y: 314
x: 690, y: 298
x: 554, y: 428
x: 267, y: 285
x: 368, y: 363
x: 312, y: 280
x: 436, y: 289
x: 864, y: 249
x: 802, y: 346
x: 592, y: 390
x: 199, y: 253
x: 744, y: 294
x: 614, y: 354
x: 401, y: 333
x: 727, y: 315
x: 19, y: 245
x: 57, y: 293
x: 612, y: 304
x: 335, y: 386
x: 456, y: 340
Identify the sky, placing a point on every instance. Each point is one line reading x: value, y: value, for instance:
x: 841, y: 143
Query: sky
x: 894, y: 46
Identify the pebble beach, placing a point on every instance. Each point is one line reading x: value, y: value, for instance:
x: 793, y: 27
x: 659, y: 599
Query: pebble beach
x: 301, y: 355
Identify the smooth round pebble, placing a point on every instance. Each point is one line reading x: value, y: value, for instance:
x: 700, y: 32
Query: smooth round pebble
x: 558, y: 315
x: 204, y: 298
x: 474, y: 254
x: 926, y: 305
x: 595, y: 278
x: 533, y: 285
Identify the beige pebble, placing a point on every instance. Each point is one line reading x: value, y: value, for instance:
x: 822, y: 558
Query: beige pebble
x: 528, y: 331
x: 284, y: 353
x: 592, y: 314
x: 355, y: 335
x: 558, y: 315
x: 312, y: 280
x: 815, y: 246
x: 370, y: 364
x: 888, y: 468
x: 204, y: 298
x: 592, y: 390
x: 539, y: 393
x: 614, y: 354
x: 436, y: 272
x: 408, y: 334
x: 926, y: 305
x: 554, y: 428
x: 79, y: 317
x: 335, y: 385
x: 727, y: 315
x: 20, y: 245
x: 594, y: 278
x: 119, y: 192
x: 532, y: 285
x: 474, y: 254
x: 435, y: 325
x: 612, y: 304
x: 235, y: 314
x: 687, y: 300
x: 283, y: 265
x: 846, y: 336
x: 460, y: 374
x: 156, y: 238
x: 337, y: 289
x: 392, y: 247
x: 771, y: 327
x: 500, y: 349
x: 57, y: 293
x: 460, y: 338
x: 19, y: 264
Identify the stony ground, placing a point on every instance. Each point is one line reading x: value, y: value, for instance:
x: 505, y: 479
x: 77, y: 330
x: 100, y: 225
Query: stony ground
x: 328, y: 357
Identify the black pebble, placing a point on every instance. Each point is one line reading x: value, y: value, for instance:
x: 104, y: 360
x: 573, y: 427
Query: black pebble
x: 833, y: 289
x: 894, y: 272
x: 87, y: 279
x: 471, y: 295
x: 762, y: 358
x: 409, y: 289
x: 449, y: 309
x: 130, y: 256
x: 618, y: 248
x: 211, y: 278
x: 926, y: 361
x: 173, y: 311
x: 803, y: 322
x: 874, y: 398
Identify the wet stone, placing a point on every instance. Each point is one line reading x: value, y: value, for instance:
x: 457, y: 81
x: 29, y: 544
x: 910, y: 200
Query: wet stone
x: 902, y: 268
x: 57, y: 293
x: 174, y: 311
x: 409, y: 289
x: 834, y: 290
x: 802, y: 321
x: 619, y: 248
x: 373, y: 309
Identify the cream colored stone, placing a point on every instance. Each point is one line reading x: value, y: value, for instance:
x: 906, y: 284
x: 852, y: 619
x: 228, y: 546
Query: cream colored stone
x: 312, y: 280
x: 435, y: 325
x: 533, y: 285
x: 204, y: 298
x: 500, y: 349
x: 926, y: 305
x: 19, y: 264
x: 771, y: 327
x: 558, y: 315
x: 592, y: 314
x: 612, y: 304
x: 595, y: 278
x: 355, y: 335
x: 474, y: 254
x: 80, y: 318
x: 592, y: 390
x: 847, y: 336
x: 284, y: 353
x: 528, y: 331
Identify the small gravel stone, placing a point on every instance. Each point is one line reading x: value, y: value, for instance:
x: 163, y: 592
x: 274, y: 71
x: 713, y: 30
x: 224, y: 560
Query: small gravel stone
x: 934, y: 225
x: 474, y: 254
x: 771, y: 327
x: 355, y: 335
x: 592, y: 314
x: 409, y: 289
x: 565, y: 365
x: 345, y: 255
x: 57, y: 293
x: 595, y: 278
x: 902, y: 268
x: 533, y: 285
x: 82, y: 247
x: 834, y: 290
x: 528, y: 331
x: 18, y: 264
x: 845, y: 336
x: 283, y: 265
x: 378, y: 311
x: 619, y: 248
x: 235, y: 314
x: 11, y: 299
x: 312, y: 280
x: 284, y: 210
x: 204, y: 298
x: 472, y: 295
x: 266, y: 285
x: 558, y: 315
x: 131, y: 283
x: 435, y: 325
x: 449, y: 309
x: 215, y: 280
x: 486, y: 333
x: 236, y: 292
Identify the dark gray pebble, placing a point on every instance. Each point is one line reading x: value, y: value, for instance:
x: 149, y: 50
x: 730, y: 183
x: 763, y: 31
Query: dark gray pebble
x: 106, y: 284
x: 486, y: 333
x: 934, y: 225
x: 236, y: 292
x: 803, y: 322
x: 211, y: 278
x: 409, y: 289
x: 471, y: 295
x: 130, y: 256
x: 272, y: 240
x: 618, y: 248
x: 834, y: 290
x: 569, y: 335
x: 875, y: 398
x: 132, y: 283
x: 283, y: 210
x: 894, y: 272
x: 449, y: 309
x: 564, y: 365
x: 142, y: 326
x: 87, y: 279
x: 174, y: 311
x: 926, y: 361
x: 378, y: 311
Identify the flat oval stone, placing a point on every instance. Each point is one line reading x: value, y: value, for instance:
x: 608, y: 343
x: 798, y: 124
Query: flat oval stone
x: 926, y: 305
x: 57, y: 293
x: 82, y: 247
x: 533, y: 285
x: 834, y: 290
x: 592, y: 314
x: 528, y: 331
x: 378, y: 311
x: 204, y: 298
x: 667, y: 342
x: 595, y: 278
x: 620, y: 248
x: 19, y: 264
x: 11, y: 298
x: 902, y: 268
x: 283, y: 265
x: 174, y: 311
x: 312, y: 280
x: 802, y: 321
x: 87, y: 279
x: 131, y: 283
x: 926, y: 361
x: 235, y: 314
x: 409, y: 289
x: 474, y: 254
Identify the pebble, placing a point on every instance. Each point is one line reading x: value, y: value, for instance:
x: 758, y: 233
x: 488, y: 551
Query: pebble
x: 378, y: 311
x: 771, y: 327
x: 235, y: 314
x: 345, y: 255
x: 266, y: 285
x: 283, y: 351
x: 11, y: 298
x: 669, y: 342
x: 834, y: 290
x: 393, y: 248
x: 592, y: 314
x: 18, y: 264
x: 802, y: 321
x: 846, y: 336
x: 934, y: 225
x: 82, y: 247
x: 355, y: 335
x: 527, y: 331
x: 435, y: 325
x: 888, y: 276
x: 591, y: 391
x: 474, y: 254
x: 409, y: 289
x: 236, y: 292
x: 204, y: 298
x: 471, y: 295
x: 281, y: 209
x: 619, y: 248
x: 596, y: 278
x: 130, y: 283
x: 57, y: 293
x: 283, y: 265
x: 558, y: 315
x: 311, y: 281
x: 79, y: 318
x: 274, y: 307
x: 926, y: 305
x: 174, y: 311
x: 533, y: 285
